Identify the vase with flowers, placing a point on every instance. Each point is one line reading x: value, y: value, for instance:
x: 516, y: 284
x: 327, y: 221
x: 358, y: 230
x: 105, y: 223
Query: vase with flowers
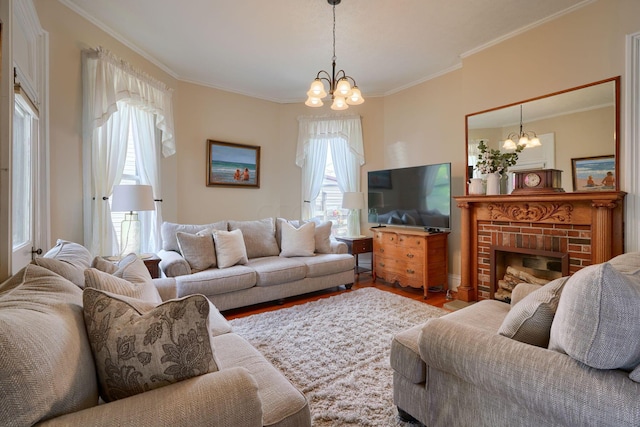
x: 495, y: 165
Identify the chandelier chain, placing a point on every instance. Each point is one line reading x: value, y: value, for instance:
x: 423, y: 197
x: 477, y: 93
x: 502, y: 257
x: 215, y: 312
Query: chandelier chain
x: 334, y: 31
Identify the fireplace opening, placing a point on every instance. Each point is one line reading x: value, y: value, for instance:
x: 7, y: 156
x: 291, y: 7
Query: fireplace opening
x: 510, y: 266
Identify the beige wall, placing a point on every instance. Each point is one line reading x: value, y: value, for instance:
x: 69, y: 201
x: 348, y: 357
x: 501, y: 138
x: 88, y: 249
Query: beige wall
x: 421, y: 125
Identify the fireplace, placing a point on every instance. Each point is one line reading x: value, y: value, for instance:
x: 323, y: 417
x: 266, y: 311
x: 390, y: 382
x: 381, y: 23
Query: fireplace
x: 587, y: 226
x: 511, y: 265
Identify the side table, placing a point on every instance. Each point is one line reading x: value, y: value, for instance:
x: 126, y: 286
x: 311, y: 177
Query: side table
x: 151, y: 261
x: 358, y: 245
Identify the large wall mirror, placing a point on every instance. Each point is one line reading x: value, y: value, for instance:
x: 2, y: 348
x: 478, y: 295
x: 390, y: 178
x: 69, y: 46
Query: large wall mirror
x: 578, y: 129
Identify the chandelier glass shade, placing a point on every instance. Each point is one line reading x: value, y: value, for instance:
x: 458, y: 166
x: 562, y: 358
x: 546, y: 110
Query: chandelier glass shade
x: 342, y: 88
x: 526, y: 138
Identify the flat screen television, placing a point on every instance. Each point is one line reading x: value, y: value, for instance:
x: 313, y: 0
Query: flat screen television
x: 418, y: 196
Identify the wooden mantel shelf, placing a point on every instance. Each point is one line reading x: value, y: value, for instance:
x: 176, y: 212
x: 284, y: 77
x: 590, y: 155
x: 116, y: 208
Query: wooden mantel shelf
x: 600, y: 212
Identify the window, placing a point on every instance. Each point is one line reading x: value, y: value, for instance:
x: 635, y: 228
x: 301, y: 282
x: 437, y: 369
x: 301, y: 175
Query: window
x: 328, y: 205
x: 130, y: 176
x: 25, y: 134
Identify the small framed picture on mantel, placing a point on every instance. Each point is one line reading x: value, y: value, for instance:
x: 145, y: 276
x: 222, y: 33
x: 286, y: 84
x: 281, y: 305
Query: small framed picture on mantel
x: 594, y: 173
x: 232, y: 165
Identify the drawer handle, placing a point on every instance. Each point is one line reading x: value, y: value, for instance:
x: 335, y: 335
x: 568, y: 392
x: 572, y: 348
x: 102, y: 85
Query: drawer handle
x: 382, y: 264
x: 410, y: 271
x: 410, y: 255
x: 381, y: 249
x: 391, y: 239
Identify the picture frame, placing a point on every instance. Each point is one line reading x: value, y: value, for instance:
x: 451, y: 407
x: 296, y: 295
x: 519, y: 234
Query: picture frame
x: 232, y: 165
x: 380, y: 179
x: 594, y: 173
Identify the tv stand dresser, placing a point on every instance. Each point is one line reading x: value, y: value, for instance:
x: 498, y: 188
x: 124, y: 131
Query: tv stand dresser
x: 411, y: 257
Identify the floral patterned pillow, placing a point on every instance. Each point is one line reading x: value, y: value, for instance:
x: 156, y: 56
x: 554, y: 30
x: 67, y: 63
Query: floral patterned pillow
x: 136, y: 352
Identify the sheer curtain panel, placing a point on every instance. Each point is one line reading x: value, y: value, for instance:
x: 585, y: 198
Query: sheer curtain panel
x: 115, y: 96
x: 344, y: 135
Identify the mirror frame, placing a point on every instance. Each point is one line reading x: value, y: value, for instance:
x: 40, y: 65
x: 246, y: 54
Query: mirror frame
x: 616, y: 138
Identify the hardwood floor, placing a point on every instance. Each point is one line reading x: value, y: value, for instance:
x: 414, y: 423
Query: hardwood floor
x: 437, y: 299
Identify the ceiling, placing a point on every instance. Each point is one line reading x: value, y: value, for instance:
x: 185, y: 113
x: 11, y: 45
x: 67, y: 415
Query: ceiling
x: 272, y: 50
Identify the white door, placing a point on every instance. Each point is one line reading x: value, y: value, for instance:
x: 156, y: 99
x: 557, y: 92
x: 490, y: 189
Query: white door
x: 23, y: 177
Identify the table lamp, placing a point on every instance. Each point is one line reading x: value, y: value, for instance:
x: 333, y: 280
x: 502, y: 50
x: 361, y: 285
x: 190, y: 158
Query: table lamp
x: 130, y: 198
x: 353, y: 201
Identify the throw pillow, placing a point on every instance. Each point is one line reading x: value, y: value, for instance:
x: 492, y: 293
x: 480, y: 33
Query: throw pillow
x: 97, y: 279
x: 598, y: 318
x: 133, y: 270
x: 46, y: 366
x: 71, y: 252
x: 259, y: 237
x: 137, y: 352
x: 230, y: 248
x: 323, y: 237
x: 68, y: 259
x: 530, y: 320
x: 298, y: 241
x: 104, y: 265
x: 322, y: 234
x: 168, y: 231
x: 197, y: 249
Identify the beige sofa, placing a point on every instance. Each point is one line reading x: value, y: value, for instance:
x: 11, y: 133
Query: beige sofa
x: 528, y: 364
x: 61, y: 349
x: 306, y: 259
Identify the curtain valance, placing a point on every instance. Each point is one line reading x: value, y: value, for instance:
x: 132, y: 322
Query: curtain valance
x: 348, y: 127
x: 110, y: 80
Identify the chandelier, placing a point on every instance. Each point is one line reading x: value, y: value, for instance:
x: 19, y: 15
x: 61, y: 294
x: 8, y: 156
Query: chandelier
x: 342, y: 92
x: 526, y: 139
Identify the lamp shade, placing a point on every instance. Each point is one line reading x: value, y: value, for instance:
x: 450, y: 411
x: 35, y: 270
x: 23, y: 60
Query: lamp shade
x: 129, y: 198
x: 352, y: 200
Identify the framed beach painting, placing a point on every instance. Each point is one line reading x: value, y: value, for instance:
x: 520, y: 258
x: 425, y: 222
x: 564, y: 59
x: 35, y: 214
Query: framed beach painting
x: 594, y: 173
x: 232, y: 165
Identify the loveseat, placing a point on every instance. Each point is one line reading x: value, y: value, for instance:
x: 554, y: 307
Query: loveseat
x: 78, y: 332
x: 562, y: 354
x: 250, y: 262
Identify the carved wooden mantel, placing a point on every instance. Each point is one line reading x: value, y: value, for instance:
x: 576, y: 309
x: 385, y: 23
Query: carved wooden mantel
x: 601, y: 213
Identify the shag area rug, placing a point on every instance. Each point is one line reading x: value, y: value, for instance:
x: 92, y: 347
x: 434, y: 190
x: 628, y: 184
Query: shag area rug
x: 336, y: 351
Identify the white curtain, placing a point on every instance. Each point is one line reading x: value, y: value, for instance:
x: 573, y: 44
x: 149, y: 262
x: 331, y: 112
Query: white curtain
x: 344, y: 136
x: 148, y: 157
x: 107, y: 161
x: 313, y: 167
x: 114, y: 92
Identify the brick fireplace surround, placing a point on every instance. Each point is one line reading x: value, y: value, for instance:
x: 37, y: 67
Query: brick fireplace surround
x: 588, y: 226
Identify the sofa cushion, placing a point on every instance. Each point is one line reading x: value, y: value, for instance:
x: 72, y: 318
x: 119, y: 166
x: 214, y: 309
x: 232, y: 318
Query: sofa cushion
x: 46, y: 367
x: 230, y: 248
x: 529, y: 320
x: 168, y: 232
x: 282, y: 403
x: 298, y: 241
x: 598, y: 318
x: 325, y: 264
x: 137, y: 352
x: 277, y: 270
x: 259, y: 237
x: 197, y: 249
x: 68, y: 259
x: 216, y: 281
